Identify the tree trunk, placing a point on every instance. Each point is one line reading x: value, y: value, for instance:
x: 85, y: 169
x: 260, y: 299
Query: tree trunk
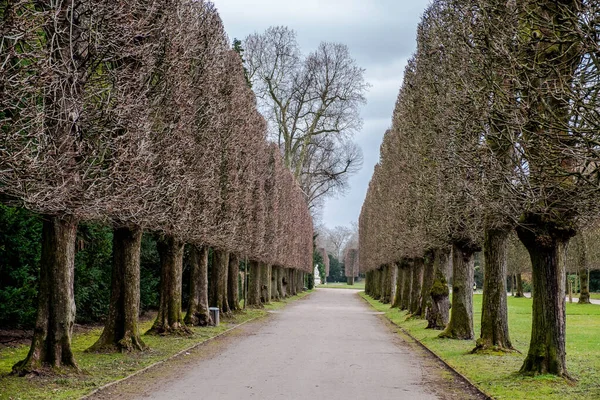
x: 584, y: 277
x: 428, y: 278
x: 439, y: 314
x: 254, y: 285
x: 233, y: 276
x: 461, y: 313
x: 399, y: 275
x: 416, y: 287
x: 283, y: 276
x: 51, y: 344
x: 274, y: 285
x: 520, y: 286
x: 265, y: 283
x: 219, y: 276
x: 386, y: 277
x: 494, y: 315
x: 546, y: 245
x: 279, y: 283
x: 513, y: 279
x: 406, y: 285
x: 376, y: 284
x: 169, y: 318
x: 292, y: 285
x: 197, y: 312
x: 121, y: 330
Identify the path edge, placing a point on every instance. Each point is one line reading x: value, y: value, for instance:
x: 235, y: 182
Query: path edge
x: 414, y: 339
x: 178, y: 354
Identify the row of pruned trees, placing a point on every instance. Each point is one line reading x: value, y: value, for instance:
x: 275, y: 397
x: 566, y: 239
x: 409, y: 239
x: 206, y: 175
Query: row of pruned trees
x: 138, y: 114
x: 495, y: 130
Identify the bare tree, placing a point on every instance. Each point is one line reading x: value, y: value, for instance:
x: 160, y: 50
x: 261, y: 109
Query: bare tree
x: 312, y: 106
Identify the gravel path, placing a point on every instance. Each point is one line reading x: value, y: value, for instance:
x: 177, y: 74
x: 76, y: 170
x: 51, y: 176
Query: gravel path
x: 330, y: 345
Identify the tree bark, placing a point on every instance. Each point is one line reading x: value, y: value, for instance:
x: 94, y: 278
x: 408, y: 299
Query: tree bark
x: 461, y: 313
x: 293, y: 286
x: 274, y: 290
x: 416, y: 287
x: 376, y: 284
x: 219, y: 276
x: 584, y: 277
x: 169, y: 318
x: 428, y: 278
x: 121, y: 330
x: 398, y: 295
x: 254, y: 285
x: 51, y: 344
x: 513, y: 279
x: 265, y: 283
x: 494, y: 316
x: 283, y: 276
x: 406, y: 285
x: 279, y: 283
x: 546, y: 244
x: 519, y: 286
x: 197, y: 312
x: 386, y: 277
x: 233, y: 276
x: 439, y: 314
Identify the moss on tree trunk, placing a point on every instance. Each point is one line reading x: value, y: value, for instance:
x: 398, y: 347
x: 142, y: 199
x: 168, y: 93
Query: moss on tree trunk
x: 169, y: 320
x: 51, y: 344
x: 254, y: 285
x: 494, y: 316
x: 583, y: 270
x: 416, y: 286
x: 219, y: 274
x: 546, y: 244
x: 197, y: 312
x: 386, y: 280
x: 439, y: 314
x: 121, y: 330
x: 461, y: 313
x: 428, y: 278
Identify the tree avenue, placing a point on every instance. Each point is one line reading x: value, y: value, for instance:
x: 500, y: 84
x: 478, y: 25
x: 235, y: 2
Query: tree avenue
x: 494, y: 132
x: 144, y: 122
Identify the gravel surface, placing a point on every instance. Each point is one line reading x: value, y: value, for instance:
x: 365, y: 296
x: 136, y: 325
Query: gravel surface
x: 329, y: 345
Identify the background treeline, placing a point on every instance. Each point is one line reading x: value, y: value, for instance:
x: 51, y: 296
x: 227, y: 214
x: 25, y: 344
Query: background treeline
x: 494, y: 140
x: 128, y: 120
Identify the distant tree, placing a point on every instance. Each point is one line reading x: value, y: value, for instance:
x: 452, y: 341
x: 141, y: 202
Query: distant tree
x: 312, y: 106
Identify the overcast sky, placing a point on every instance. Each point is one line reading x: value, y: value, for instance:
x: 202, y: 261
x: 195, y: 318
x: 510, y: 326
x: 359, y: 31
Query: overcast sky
x: 381, y: 37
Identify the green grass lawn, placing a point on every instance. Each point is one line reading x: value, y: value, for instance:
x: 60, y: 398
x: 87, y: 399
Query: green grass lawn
x: 343, y: 285
x: 100, y: 369
x: 594, y: 296
x: 496, y: 374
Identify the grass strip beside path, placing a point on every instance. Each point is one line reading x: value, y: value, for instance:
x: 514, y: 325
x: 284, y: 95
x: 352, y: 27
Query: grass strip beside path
x: 101, y: 369
x: 495, y: 373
